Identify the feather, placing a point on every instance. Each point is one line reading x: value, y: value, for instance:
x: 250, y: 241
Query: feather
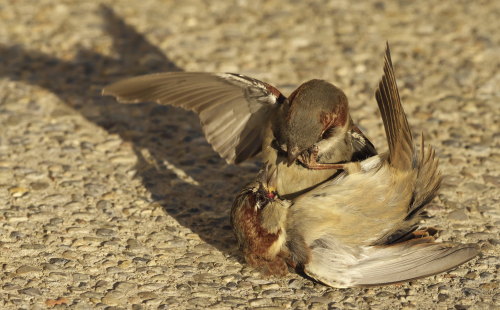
x: 341, y: 266
x: 360, y: 227
x: 395, y: 123
x: 232, y: 108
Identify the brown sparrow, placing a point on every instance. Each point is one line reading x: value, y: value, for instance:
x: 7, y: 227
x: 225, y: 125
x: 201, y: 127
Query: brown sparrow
x: 359, y: 228
x: 242, y: 117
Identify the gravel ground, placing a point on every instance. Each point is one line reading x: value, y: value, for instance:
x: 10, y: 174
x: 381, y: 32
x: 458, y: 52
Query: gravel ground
x: 109, y: 206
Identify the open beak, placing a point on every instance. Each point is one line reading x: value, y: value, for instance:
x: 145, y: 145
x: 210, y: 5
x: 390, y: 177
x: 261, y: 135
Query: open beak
x: 293, y: 153
x: 268, y: 179
x: 272, y: 180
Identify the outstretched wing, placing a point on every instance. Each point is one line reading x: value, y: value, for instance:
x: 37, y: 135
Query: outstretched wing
x: 402, y: 153
x: 397, y: 130
x: 233, y: 108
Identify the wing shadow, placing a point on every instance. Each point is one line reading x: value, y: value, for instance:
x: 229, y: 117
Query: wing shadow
x: 166, y: 133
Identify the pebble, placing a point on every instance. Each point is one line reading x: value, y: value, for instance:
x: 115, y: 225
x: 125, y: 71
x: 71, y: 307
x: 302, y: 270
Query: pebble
x: 31, y: 291
x: 17, y: 192
x: 104, y: 232
x: 26, y: 269
x: 114, y: 297
x: 37, y: 186
x: 125, y: 286
x: 147, y: 295
x: 458, y: 215
x: 257, y: 302
x: 58, y: 261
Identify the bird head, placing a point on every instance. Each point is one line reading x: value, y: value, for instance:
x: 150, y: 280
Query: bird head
x: 258, y: 219
x: 313, y: 111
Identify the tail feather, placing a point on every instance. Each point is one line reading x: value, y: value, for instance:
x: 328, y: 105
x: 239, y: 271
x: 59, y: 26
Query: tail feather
x: 427, y: 183
x: 397, y: 130
x: 342, y: 266
x: 402, y: 263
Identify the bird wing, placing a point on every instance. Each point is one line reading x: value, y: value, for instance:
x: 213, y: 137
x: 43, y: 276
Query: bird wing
x: 397, y: 130
x: 402, y: 152
x: 363, y: 148
x: 338, y: 266
x: 346, y: 223
x: 233, y: 108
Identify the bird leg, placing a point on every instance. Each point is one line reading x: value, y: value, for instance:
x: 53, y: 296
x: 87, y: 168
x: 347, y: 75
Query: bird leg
x: 309, y: 159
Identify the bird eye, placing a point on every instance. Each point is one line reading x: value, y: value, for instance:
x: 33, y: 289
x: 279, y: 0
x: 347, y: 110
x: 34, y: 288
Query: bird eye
x: 328, y: 133
x: 260, y: 202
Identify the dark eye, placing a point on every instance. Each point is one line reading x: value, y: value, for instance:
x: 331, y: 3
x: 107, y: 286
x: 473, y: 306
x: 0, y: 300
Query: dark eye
x: 328, y: 133
x: 261, y: 199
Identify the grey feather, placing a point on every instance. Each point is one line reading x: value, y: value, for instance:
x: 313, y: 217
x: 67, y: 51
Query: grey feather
x: 233, y: 109
x: 395, y: 123
x: 342, y: 266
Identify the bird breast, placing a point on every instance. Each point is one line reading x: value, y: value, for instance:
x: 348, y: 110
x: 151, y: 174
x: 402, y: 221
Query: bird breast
x: 355, y: 208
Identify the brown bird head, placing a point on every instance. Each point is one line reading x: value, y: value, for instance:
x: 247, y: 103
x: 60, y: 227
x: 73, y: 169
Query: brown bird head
x: 258, y: 219
x: 313, y: 111
x: 246, y: 218
x: 251, y: 201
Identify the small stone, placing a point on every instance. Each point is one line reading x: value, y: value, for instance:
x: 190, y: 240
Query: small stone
x: 125, y: 286
x: 471, y: 275
x: 26, y: 269
x: 384, y: 294
x: 294, y: 283
x: 134, y: 246
x: 114, y: 297
x: 17, y: 235
x: 105, y: 232
x: 90, y: 295
x: 471, y: 291
x: 10, y: 287
x: 270, y: 286
x: 442, y: 297
x: 94, y: 190
x: 458, y: 215
x: 17, y: 191
x: 270, y: 293
x: 58, y: 261
x: 31, y: 291
x: 495, y: 180
x: 258, y: 302
x: 81, y: 277
x: 33, y: 246
x: 147, y: 295
x: 70, y: 255
x: 319, y: 299
x: 39, y: 185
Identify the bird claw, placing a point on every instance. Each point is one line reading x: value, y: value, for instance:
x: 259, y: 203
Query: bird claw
x: 309, y: 159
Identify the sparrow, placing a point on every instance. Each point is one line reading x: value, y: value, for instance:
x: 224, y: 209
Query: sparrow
x: 360, y: 228
x: 242, y: 117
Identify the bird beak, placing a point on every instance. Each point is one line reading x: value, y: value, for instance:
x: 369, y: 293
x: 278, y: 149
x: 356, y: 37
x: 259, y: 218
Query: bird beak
x: 293, y: 153
x: 272, y: 180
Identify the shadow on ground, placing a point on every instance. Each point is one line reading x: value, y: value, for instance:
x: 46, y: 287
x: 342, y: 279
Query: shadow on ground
x: 165, y: 133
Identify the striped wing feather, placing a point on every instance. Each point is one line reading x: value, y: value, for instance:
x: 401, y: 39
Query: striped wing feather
x: 233, y: 109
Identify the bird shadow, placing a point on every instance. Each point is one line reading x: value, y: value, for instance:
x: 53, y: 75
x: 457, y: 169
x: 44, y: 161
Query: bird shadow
x: 158, y: 134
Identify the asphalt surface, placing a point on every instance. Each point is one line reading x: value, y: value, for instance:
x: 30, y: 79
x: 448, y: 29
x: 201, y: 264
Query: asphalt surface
x: 109, y: 206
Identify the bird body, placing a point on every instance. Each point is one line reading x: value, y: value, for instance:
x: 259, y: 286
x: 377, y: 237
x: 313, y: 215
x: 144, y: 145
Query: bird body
x: 358, y: 228
x: 243, y: 117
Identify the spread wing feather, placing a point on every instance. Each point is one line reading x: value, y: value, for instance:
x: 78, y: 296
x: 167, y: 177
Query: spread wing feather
x: 395, y: 123
x: 340, y: 267
x: 233, y: 109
